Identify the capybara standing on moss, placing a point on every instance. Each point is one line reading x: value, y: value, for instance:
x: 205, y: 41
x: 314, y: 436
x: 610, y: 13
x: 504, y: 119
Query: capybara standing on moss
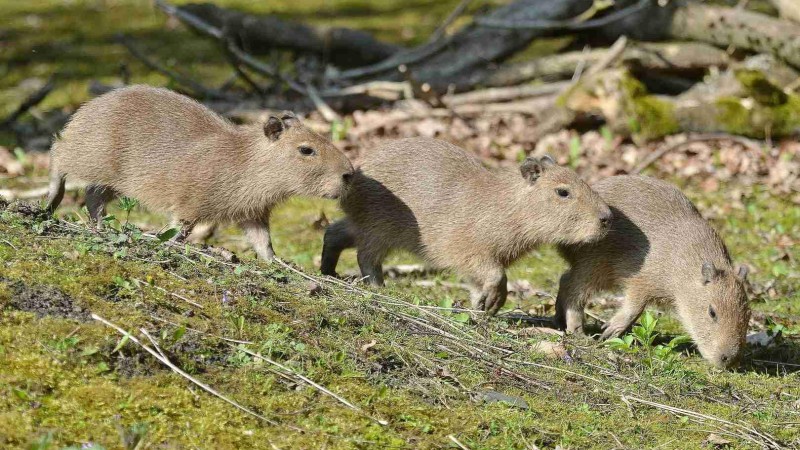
x: 658, y: 248
x: 176, y: 156
x: 435, y: 200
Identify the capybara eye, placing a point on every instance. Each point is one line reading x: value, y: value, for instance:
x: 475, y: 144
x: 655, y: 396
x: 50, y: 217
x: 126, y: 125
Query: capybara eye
x: 712, y: 313
x: 563, y: 193
x: 307, y: 151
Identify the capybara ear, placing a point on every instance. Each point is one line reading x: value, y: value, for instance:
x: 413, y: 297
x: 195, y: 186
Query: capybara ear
x: 548, y: 160
x: 709, y: 272
x: 289, y: 119
x: 273, y: 128
x: 742, y: 272
x: 531, y: 169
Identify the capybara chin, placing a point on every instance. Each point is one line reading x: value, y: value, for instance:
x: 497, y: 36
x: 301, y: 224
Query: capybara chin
x: 436, y: 200
x: 176, y: 156
x: 659, y: 248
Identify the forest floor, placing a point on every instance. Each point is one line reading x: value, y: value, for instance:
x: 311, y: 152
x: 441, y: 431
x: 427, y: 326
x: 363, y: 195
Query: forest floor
x: 319, y: 363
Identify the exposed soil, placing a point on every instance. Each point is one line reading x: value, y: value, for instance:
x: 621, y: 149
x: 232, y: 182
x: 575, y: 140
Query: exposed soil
x: 46, y: 301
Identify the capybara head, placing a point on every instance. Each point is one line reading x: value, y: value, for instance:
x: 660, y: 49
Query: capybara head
x: 573, y: 213
x: 718, y: 315
x: 308, y: 163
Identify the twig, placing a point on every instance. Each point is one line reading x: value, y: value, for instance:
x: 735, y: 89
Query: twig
x: 500, y: 94
x: 310, y: 382
x: 196, y: 87
x: 454, y: 14
x: 457, y: 442
x: 327, y: 113
x: 32, y: 100
x: 766, y: 440
x: 193, y: 303
x: 7, y: 242
x: 664, y: 149
x: 575, y: 24
x: 153, y: 341
x: 180, y: 372
x: 234, y: 51
x: 200, y: 332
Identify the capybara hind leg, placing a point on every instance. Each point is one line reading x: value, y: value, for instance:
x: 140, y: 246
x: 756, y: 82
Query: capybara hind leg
x: 97, y: 196
x: 338, y: 236
x: 371, y: 266
x: 55, y: 192
x: 202, y: 232
x: 631, y: 308
x: 574, y: 293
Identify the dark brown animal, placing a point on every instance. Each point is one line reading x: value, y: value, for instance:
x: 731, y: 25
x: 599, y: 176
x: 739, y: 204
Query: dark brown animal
x: 176, y: 156
x: 435, y: 200
x: 659, y: 248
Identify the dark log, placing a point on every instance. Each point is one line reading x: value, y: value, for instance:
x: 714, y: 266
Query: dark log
x: 32, y: 100
x: 668, y: 58
x: 260, y: 34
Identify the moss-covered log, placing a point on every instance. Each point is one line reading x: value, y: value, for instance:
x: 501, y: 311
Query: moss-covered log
x: 747, y: 100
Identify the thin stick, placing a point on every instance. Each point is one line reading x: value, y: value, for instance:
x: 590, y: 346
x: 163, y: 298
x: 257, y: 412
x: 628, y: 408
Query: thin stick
x: 454, y: 14
x: 153, y: 341
x: 201, y: 332
x: 32, y: 100
x: 664, y: 149
x: 193, y: 303
x: 7, y: 242
x: 327, y: 112
x: 310, y: 382
x: 457, y: 442
x: 180, y: 372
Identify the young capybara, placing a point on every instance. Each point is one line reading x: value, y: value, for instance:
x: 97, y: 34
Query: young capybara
x: 435, y: 200
x: 176, y: 156
x: 659, y: 248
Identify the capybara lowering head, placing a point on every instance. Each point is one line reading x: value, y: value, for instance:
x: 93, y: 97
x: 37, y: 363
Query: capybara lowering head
x: 436, y: 200
x: 659, y: 248
x: 176, y: 156
x: 717, y: 319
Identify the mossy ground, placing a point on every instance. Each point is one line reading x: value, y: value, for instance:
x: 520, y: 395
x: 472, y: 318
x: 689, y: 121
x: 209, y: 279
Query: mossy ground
x: 62, y: 380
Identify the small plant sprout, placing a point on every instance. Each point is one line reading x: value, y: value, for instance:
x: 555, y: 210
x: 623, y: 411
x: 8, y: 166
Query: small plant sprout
x: 127, y: 204
x: 642, y: 337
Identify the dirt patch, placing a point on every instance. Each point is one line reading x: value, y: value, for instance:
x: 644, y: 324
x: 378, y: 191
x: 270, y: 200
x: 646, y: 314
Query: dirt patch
x: 46, y: 301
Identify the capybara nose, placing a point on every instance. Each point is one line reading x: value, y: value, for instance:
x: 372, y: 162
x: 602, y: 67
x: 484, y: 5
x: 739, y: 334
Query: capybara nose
x: 347, y: 177
x: 605, y: 218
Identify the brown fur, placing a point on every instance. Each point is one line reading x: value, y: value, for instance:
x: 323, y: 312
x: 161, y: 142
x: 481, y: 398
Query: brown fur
x: 658, y: 248
x: 437, y: 201
x: 175, y: 155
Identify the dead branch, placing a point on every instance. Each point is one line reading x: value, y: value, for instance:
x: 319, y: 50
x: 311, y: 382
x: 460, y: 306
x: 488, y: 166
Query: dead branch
x: 32, y: 100
x: 501, y: 94
x: 672, y: 57
x: 578, y: 23
x: 664, y: 149
x: 197, y: 88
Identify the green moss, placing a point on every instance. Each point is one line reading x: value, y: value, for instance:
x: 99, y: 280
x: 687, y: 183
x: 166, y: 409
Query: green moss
x: 649, y: 117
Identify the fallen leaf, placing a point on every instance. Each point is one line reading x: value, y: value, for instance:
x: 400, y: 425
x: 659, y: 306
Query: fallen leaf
x: 368, y: 345
x: 717, y: 441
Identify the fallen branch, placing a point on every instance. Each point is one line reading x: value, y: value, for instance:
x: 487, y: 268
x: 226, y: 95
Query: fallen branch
x: 671, y: 57
x: 32, y: 100
x: 579, y: 23
x: 664, y: 149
